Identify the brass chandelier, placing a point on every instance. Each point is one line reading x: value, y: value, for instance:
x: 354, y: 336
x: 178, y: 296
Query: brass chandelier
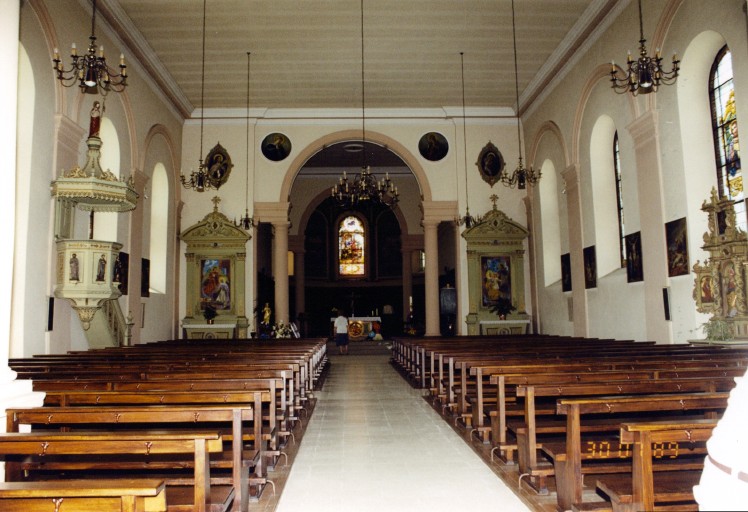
x: 521, y: 176
x: 645, y: 74
x: 199, y: 180
x: 246, y: 221
x: 364, y: 188
x: 90, y: 70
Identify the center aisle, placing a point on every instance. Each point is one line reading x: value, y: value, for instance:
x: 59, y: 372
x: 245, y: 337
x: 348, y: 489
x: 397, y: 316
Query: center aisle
x: 374, y: 444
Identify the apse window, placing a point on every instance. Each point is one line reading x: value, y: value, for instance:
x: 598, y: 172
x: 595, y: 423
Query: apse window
x: 351, y: 253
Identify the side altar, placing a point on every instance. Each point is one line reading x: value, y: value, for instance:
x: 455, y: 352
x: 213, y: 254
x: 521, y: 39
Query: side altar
x: 496, y: 262
x: 216, y: 258
x: 720, y: 282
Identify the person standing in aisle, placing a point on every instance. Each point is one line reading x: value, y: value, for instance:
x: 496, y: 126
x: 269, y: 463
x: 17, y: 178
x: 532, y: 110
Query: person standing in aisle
x: 341, y: 332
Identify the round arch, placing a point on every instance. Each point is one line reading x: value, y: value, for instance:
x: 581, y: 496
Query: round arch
x: 315, y: 201
x: 550, y: 128
x: 159, y: 130
x: 347, y: 135
x: 47, y: 26
x: 601, y: 72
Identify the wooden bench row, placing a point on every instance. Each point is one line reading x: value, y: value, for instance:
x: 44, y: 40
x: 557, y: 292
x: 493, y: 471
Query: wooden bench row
x: 563, y: 411
x: 248, y: 396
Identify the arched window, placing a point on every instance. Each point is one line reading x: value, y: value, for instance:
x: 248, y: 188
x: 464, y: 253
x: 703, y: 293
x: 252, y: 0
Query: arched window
x: 351, y: 253
x: 725, y: 129
x: 550, y: 223
x: 106, y: 224
x: 619, y: 198
x: 159, y: 228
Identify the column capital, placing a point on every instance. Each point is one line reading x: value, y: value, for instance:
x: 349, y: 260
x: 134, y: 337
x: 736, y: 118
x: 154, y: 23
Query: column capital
x: 272, y: 212
x: 438, y: 211
x: 644, y: 128
x: 570, y: 176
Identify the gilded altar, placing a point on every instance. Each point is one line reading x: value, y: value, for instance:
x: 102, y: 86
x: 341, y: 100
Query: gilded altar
x: 215, y: 286
x: 720, y: 282
x: 495, y: 250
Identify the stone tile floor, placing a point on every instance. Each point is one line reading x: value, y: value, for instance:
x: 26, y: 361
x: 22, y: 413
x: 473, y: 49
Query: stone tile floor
x: 373, y: 443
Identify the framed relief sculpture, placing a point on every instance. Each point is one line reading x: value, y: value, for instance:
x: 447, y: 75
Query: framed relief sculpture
x: 490, y: 163
x: 218, y: 166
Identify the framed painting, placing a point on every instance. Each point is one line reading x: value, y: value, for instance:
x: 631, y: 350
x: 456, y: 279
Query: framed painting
x: 566, y: 272
x: 276, y: 146
x: 634, y: 268
x: 677, y: 247
x: 215, y: 283
x: 590, y: 267
x: 122, y: 271
x: 496, y: 280
x: 433, y: 146
x: 145, y: 278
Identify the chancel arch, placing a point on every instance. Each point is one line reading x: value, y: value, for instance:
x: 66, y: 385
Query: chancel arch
x: 325, y: 278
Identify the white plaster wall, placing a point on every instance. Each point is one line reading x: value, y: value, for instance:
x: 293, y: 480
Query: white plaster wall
x: 132, y: 114
x: 614, y: 303
x: 31, y: 281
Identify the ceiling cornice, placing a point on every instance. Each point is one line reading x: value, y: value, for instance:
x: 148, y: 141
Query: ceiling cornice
x: 585, y: 32
x: 153, y: 70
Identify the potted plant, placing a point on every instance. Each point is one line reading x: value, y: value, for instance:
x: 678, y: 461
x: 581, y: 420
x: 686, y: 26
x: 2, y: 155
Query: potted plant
x: 503, y: 307
x: 209, y: 313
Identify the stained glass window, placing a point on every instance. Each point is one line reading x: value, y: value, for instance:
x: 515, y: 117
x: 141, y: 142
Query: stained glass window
x: 726, y: 139
x: 351, y: 237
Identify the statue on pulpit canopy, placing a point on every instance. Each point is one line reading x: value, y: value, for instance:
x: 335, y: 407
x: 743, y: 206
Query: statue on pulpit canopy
x: 94, y: 124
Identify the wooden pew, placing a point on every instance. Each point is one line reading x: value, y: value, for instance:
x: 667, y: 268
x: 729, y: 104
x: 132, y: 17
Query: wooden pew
x: 267, y: 443
x: 598, y: 454
x: 539, y: 423
x: 644, y: 488
x: 120, y: 495
x: 29, y: 453
x: 230, y: 421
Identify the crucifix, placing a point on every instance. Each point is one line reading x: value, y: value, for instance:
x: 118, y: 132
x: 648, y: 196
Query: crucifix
x: 216, y: 200
x: 493, y: 199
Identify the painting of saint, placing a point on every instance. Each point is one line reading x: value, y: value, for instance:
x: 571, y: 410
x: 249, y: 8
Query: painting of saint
x: 566, y: 272
x: 496, y: 277
x: 677, y: 247
x: 215, y: 283
x: 590, y: 267
x: 707, y: 290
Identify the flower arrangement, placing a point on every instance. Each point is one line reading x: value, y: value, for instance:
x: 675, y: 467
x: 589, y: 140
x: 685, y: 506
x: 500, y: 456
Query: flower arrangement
x: 209, y: 313
x: 717, y: 329
x: 503, y: 307
x: 281, y: 330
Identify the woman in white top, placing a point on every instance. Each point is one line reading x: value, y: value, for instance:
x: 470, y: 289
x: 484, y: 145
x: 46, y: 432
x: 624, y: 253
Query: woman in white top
x: 341, y: 332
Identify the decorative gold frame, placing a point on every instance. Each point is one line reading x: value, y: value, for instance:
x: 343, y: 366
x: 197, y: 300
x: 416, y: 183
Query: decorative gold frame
x: 490, y: 163
x: 218, y: 166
